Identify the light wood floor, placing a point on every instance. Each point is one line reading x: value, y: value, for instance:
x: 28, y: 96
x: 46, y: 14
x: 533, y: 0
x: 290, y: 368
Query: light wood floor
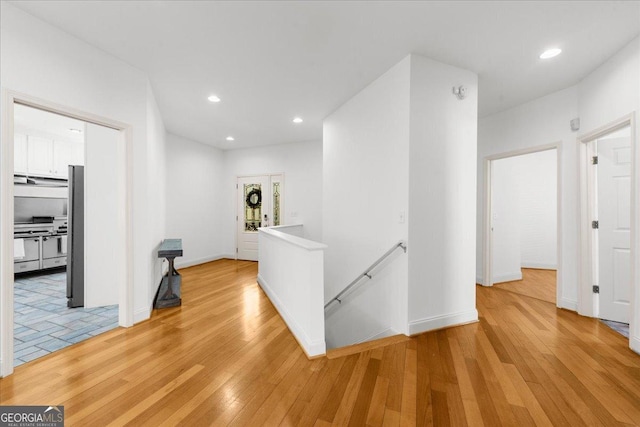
x: 226, y: 357
x: 535, y: 283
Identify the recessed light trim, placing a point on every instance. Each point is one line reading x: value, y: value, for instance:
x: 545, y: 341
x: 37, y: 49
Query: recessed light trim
x: 230, y: 138
x: 73, y: 130
x: 213, y: 98
x: 297, y: 120
x: 550, y: 53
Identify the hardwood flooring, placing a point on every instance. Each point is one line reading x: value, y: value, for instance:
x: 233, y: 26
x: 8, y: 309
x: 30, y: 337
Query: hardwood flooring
x: 535, y: 283
x: 226, y: 358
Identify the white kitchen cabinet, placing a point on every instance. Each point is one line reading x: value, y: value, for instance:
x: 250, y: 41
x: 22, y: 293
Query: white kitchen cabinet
x: 20, y: 161
x: 77, y: 153
x: 40, y: 156
x: 62, y: 154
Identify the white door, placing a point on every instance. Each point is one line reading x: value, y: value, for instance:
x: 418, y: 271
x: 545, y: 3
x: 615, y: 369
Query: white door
x: 259, y: 205
x: 614, y: 219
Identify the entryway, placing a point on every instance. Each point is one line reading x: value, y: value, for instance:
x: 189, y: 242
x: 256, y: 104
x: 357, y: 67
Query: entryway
x: 260, y: 204
x: 35, y: 301
x: 521, y: 223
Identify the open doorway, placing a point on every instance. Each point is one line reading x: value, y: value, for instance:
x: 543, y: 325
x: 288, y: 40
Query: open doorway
x: 522, y: 223
x: 53, y: 305
x: 112, y: 188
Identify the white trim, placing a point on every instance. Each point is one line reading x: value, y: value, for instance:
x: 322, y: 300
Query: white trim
x: 388, y: 332
x: 204, y: 260
x: 311, y: 348
x: 539, y: 265
x: 142, y: 314
x: 442, y: 321
x: 568, y: 304
x: 508, y: 277
x: 125, y: 302
x: 634, y: 343
x: 303, y: 243
x: 487, y: 237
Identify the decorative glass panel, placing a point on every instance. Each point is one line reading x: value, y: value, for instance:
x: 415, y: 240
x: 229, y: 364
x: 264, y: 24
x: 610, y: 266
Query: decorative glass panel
x: 276, y: 203
x: 252, y: 207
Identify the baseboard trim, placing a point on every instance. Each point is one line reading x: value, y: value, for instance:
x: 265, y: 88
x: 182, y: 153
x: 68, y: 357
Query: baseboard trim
x: 442, y: 321
x: 539, y: 266
x: 568, y: 304
x: 634, y: 344
x: 509, y: 277
x: 141, y: 314
x: 191, y: 263
x: 312, y: 349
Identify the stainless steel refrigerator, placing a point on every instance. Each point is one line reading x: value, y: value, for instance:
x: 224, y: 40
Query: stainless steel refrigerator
x: 75, y: 238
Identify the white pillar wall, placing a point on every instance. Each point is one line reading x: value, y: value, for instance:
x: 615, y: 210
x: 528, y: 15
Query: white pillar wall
x: 400, y: 163
x: 442, y: 194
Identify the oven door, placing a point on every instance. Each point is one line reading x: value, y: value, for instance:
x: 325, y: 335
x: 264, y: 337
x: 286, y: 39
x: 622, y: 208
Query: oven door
x: 31, y: 249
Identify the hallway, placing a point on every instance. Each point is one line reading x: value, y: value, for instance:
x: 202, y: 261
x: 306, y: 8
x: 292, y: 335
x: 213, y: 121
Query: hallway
x: 226, y: 358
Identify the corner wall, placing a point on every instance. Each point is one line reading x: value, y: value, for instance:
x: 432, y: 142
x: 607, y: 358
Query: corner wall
x: 196, y: 202
x: 442, y: 192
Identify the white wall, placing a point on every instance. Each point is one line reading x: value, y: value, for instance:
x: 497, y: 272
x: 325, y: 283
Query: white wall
x: 301, y: 164
x: 195, y: 200
x: 365, y: 188
x: 43, y: 62
x: 524, y: 220
x: 505, y: 191
x: 442, y: 191
x: 538, y: 123
x: 538, y: 209
x: 157, y: 151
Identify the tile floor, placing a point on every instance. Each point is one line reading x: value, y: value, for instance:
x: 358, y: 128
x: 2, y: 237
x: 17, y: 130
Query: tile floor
x: 621, y: 328
x: 42, y: 321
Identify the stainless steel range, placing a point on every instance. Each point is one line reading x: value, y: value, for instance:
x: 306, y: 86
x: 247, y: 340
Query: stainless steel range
x: 40, y: 244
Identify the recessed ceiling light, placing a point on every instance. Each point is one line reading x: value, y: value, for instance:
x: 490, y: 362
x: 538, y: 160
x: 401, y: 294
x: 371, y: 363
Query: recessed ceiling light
x: 75, y: 130
x: 213, y: 98
x: 550, y: 53
x: 230, y: 138
x: 297, y: 120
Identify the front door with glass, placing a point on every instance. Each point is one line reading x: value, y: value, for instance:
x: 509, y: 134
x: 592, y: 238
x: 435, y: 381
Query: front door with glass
x: 259, y: 205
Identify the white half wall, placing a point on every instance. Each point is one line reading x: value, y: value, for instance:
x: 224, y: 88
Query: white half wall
x: 195, y: 202
x: 365, y: 205
x: 442, y: 192
x: 301, y: 164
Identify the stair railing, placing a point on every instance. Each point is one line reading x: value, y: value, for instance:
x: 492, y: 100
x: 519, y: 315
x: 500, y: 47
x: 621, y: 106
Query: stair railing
x: 367, y: 273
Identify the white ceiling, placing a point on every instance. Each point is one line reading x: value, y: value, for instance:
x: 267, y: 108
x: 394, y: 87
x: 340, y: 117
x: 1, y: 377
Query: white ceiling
x: 270, y: 61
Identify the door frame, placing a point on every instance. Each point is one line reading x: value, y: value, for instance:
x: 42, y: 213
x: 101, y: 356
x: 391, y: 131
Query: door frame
x: 9, y: 98
x: 487, y: 235
x: 281, y: 174
x: 587, y: 302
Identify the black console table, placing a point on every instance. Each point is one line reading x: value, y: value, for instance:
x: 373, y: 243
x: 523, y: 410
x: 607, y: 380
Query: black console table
x: 169, y: 292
